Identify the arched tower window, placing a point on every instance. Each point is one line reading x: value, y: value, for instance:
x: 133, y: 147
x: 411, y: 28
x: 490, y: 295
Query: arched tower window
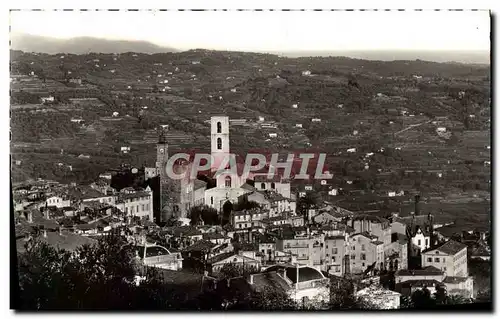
x: 263, y: 186
x: 219, y: 127
x: 228, y: 181
x: 273, y: 186
x: 219, y: 143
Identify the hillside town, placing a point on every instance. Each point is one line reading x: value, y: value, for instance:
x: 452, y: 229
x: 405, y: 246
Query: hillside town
x: 277, y: 234
x: 211, y: 177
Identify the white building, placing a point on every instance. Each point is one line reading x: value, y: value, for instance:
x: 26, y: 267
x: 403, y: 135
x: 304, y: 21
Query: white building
x: 57, y: 201
x: 228, y: 185
x: 136, y: 203
x: 379, y: 298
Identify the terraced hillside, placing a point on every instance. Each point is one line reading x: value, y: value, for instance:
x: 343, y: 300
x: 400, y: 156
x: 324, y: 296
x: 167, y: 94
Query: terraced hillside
x: 427, y: 124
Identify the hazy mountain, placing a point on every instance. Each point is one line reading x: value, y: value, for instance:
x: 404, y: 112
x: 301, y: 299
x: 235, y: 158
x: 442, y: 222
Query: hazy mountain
x: 82, y: 45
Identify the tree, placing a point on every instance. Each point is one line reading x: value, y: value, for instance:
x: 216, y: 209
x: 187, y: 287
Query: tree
x: 422, y: 299
x: 204, y: 213
x: 440, y: 295
x: 342, y: 295
x: 98, y: 276
x: 310, y: 200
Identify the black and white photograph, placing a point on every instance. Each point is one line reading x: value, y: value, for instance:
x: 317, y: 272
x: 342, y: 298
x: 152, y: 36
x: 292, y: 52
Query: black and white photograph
x: 250, y: 160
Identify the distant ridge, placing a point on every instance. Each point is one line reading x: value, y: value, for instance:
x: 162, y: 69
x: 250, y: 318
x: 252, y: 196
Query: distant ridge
x: 441, y: 56
x: 82, y: 45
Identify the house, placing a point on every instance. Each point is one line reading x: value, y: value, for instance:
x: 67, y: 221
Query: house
x: 295, y: 106
x: 351, y: 150
x: 125, y: 149
x: 335, y: 254
x: 158, y: 256
x: 303, y: 284
x: 333, y: 192
x: 195, y: 255
x: 426, y: 273
x: 216, y: 238
x: 58, y: 239
x: 298, y: 125
x: 328, y: 217
x: 217, y: 262
x: 450, y: 257
x: 48, y: 99
x: 273, y: 135
x: 418, y: 229
x: 307, y: 248
x: 441, y: 130
x: 267, y: 247
x: 463, y: 286
x: 365, y: 251
x: 186, y: 235
x: 276, y: 184
x: 136, y: 203
x: 57, y: 201
x: 373, y: 225
x: 248, y: 218
x: 261, y: 119
x: 379, y: 298
x: 408, y: 287
x: 396, y: 253
x: 306, y: 73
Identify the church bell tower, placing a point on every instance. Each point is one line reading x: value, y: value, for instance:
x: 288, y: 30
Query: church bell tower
x: 219, y: 140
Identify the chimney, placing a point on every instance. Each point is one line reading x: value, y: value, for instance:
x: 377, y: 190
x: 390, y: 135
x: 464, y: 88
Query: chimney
x: 417, y: 205
x: 297, y: 276
x: 251, y: 279
x: 59, y: 229
x: 29, y: 216
x: 45, y: 233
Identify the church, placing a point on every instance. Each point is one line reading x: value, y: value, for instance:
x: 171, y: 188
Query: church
x: 177, y: 197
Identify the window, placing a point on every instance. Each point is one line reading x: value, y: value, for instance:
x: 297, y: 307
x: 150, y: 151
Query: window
x: 444, y: 268
x: 429, y: 259
x: 363, y: 264
x: 327, y: 255
x: 353, y: 247
x: 142, y: 207
x: 273, y: 186
x: 426, y: 242
x: 436, y: 260
x: 228, y: 181
x: 212, y: 200
x: 362, y: 247
x: 419, y: 242
x: 219, y: 143
x: 334, y: 251
x: 333, y: 258
x: 353, y: 256
x: 137, y: 208
x: 219, y: 127
x: 363, y: 257
x: 126, y: 210
x: 263, y: 186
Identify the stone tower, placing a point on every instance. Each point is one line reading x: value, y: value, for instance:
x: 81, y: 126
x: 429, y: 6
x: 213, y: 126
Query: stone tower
x: 161, y: 162
x: 219, y: 139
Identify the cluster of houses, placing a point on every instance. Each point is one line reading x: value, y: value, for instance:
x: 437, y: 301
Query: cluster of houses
x: 56, y: 211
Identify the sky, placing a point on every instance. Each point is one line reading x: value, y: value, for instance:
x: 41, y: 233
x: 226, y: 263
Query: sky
x: 270, y: 31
